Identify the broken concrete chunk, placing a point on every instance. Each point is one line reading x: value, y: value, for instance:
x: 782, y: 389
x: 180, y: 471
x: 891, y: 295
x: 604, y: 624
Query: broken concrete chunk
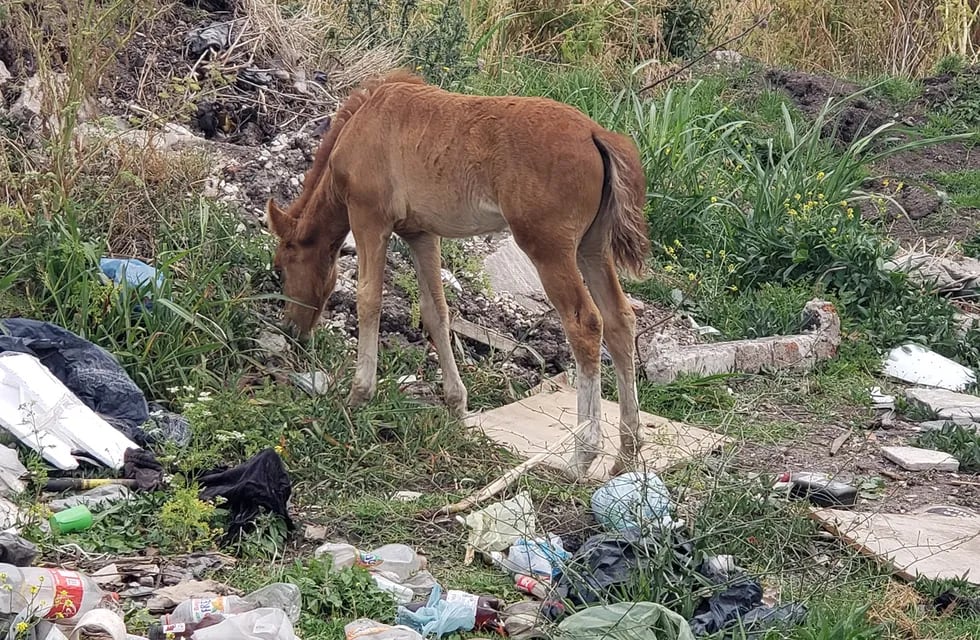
x: 915, y: 364
x: 795, y: 352
x: 4, y: 74
x: 946, y: 274
x: 916, y: 459
x: 938, y: 425
x: 40, y: 100
x: 946, y: 404
x: 509, y: 270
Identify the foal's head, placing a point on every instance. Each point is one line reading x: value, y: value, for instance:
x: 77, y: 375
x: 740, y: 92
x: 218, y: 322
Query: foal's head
x: 306, y: 260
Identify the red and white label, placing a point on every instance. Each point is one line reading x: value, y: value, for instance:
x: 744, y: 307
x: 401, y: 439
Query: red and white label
x: 68, y: 591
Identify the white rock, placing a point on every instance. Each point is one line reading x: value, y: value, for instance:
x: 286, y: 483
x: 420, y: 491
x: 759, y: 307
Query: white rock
x: 915, y: 364
x: 916, y: 459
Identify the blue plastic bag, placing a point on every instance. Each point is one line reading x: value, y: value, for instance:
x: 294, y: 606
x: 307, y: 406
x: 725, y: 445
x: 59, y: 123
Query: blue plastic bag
x: 632, y: 500
x: 438, y: 617
x: 133, y: 273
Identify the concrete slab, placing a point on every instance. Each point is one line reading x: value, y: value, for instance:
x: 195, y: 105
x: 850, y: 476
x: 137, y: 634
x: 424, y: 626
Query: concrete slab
x: 509, y: 270
x: 530, y: 425
x: 936, y: 543
x: 946, y: 404
x: 916, y: 459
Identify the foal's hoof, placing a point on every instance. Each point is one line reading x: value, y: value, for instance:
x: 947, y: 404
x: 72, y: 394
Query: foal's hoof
x: 358, y: 397
x: 621, y: 466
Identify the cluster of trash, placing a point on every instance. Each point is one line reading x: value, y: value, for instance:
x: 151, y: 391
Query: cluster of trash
x: 589, y: 593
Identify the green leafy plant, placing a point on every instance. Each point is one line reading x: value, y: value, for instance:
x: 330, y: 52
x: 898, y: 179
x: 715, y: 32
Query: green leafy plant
x: 185, y: 521
x: 961, y: 442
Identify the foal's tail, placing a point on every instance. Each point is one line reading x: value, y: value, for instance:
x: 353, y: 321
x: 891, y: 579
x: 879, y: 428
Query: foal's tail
x: 624, y: 192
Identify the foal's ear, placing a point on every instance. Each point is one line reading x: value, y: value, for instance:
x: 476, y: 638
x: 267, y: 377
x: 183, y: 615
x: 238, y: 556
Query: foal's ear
x: 280, y: 223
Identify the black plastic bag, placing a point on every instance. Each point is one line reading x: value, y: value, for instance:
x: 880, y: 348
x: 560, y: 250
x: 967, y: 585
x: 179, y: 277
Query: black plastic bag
x: 261, y: 481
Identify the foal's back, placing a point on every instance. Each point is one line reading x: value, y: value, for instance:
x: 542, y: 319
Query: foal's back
x: 459, y: 165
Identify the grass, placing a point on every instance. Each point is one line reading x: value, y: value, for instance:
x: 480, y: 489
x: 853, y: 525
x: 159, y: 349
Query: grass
x: 962, y: 187
x: 752, y: 211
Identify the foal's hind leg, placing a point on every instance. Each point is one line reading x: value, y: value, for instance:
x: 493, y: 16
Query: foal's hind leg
x: 435, y: 315
x: 583, y: 326
x: 619, y: 330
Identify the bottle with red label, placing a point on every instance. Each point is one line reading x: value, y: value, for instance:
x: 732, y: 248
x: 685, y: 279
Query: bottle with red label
x: 180, y: 630
x: 50, y: 594
x: 486, y: 609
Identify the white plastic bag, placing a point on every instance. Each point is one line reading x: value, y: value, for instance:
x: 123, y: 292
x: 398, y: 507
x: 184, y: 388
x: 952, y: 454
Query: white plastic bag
x: 257, y: 624
x: 539, y: 558
x: 501, y: 524
x: 366, y: 629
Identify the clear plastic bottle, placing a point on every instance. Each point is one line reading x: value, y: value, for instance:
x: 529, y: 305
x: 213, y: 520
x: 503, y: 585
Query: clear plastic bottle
x: 401, y: 593
x: 51, y: 594
x: 399, y: 560
x: 278, y: 595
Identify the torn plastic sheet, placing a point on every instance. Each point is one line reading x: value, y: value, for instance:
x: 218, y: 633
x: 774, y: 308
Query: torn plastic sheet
x: 46, y: 416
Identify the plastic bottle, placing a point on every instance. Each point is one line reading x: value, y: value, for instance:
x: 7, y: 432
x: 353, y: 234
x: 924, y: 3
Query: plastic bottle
x: 401, y: 593
x: 397, y: 559
x: 486, y: 609
x: 52, y: 594
x: 819, y: 488
x: 530, y: 586
x: 278, y: 595
x: 178, y: 630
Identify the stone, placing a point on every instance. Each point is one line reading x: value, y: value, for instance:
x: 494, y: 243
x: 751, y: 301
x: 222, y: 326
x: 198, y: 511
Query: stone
x: 4, y: 74
x: 35, y: 96
x: 666, y: 361
x: 509, y: 270
x: 916, y: 459
x: 272, y: 342
x: 315, y: 532
x: 946, y: 404
x: 937, y: 425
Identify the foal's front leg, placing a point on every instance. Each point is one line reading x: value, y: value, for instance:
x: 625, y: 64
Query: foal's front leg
x: 372, y: 249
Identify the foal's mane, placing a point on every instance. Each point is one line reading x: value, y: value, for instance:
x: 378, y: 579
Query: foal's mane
x: 345, y: 112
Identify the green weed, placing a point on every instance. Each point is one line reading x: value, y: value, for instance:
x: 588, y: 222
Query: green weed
x: 962, y: 443
x: 963, y: 187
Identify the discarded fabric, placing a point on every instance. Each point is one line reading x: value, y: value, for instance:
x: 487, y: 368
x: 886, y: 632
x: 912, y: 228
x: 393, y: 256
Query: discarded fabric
x: 166, y: 426
x: 88, y: 370
x: 261, y: 481
x: 133, y: 274
x: 538, y: 557
x: 214, y: 37
x: 142, y: 466
x: 603, y: 568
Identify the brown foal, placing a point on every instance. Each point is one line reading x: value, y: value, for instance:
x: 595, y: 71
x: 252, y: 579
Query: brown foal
x: 402, y: 156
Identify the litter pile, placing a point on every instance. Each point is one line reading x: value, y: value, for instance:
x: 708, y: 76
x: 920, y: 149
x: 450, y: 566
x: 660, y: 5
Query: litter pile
x: 606, y: 584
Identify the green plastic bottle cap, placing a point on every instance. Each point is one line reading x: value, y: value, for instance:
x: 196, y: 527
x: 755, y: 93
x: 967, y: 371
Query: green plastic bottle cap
x: 77, y: 518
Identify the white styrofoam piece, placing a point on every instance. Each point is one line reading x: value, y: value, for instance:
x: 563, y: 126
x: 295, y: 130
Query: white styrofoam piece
x: 917, y: 365
x: 46, y: 416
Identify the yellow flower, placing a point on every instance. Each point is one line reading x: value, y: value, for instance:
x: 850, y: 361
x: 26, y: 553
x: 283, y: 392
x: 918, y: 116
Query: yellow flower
x: 691, y: 276
x: 34, y: 589
x: 713, y: 199
x: 669, y: 268
x: 850, y: 214
x: 707, y: 254
x: 667, y: 151
x: 885, y: 182
x: 793, y: 212
x: 798, y: 197
x: 833, y: 229
x: 733, y: 288
x: 821, y: 196
x: 731, y: 268
x: 22, y: 627
x: 677, y: 243
x: 821, y: 175
x: 898, y: 187
x: 843, y: 203
x: 721, y: 252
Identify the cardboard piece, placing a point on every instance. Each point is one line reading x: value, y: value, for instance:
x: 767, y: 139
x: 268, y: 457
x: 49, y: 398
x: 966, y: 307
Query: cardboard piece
x: 937, y: 542
x: 530, y: 425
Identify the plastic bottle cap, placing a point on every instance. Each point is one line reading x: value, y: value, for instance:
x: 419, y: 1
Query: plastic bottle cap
x: 77, y: 518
